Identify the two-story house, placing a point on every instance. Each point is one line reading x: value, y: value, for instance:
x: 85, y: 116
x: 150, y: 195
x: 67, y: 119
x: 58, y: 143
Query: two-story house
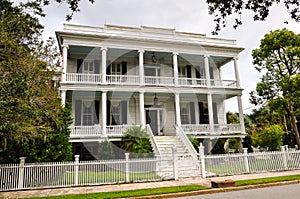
x: 167, y: 81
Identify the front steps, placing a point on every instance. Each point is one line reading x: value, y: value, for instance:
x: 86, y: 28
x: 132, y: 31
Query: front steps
x: 187, y: 167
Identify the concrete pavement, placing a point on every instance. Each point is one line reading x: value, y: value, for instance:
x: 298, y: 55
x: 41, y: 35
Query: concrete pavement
x: 143, y: 185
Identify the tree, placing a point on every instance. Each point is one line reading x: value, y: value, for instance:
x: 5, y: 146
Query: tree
x: 136, y: 140
x: 279, y: 58
x: 271, y: 137
x: 223, y: 9
x: 32, y: 121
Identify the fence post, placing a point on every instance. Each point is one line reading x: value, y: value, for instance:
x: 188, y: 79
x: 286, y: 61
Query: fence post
x: 76, y: 169
x: 21, y: 172
x: 175, y: 168
x: 202, y: 160
x: 245, y: 150
x: 282, y: 148
x: 127, y: 172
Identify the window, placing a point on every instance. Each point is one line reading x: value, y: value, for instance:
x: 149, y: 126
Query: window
x: 182, y: 71
x: 88, y: 113
x: 116, y: 69
x: 116, y: 113
x: 88, y: 67
x: 184, y: 113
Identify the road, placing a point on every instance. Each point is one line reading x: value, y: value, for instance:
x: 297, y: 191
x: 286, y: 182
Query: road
x: 277, y: 192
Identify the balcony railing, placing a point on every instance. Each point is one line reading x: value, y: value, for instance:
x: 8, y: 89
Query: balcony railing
x: 196, y: 128
x: 223, y: 83
x: 123, y: 79
x: 117, y: 130
x: 159, y: 80
x: 219, y: 129
x: 194, y: 82
x: 81, y: 78
x: 85, y: 131
x: 96, y: 131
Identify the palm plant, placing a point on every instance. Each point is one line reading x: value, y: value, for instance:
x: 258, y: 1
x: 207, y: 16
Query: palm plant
x: 136, y: 140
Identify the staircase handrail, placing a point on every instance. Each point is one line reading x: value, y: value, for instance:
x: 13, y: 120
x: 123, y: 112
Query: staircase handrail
x: 152, y: 140
x: 180, y: 133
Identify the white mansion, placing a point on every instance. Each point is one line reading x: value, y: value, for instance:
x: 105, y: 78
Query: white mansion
x: 166, y: 81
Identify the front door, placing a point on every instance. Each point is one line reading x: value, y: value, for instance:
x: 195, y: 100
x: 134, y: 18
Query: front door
x: 154, y: 118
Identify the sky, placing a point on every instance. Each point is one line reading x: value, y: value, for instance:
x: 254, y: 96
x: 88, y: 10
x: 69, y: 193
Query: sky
x: 188, y: 16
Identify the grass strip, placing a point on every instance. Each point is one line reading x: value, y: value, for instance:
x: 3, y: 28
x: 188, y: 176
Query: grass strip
x: 267, y: 180
x: 133, y: 193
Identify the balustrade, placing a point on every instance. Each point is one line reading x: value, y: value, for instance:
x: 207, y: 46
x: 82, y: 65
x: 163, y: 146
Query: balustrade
x: 149, y: 80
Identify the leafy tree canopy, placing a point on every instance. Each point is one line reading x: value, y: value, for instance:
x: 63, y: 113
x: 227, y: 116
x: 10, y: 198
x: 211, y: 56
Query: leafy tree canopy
x: 278, y: 58
x: 271, y: 138
x: 32, y: 121
x: 261, y: 8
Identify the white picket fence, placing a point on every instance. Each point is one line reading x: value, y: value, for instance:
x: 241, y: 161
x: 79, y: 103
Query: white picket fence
x: 78, y: 173
x: 240, y: 163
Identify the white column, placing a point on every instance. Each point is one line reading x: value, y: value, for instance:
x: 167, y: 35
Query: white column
x: 141, y: 66
x: 175, y: 65
x: 103, y: 64
x: 177, y: 109
x: 241, y: 113
x: 104, y: 110
x: 210, y: 112
x: 63, y: 97
x: 206, y: 67
x: 236, y: 71
x: 142, y: 109
x: 65, y: 60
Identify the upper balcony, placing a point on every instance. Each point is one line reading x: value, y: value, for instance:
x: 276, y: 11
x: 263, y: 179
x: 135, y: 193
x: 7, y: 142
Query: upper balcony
x: 81, y: 78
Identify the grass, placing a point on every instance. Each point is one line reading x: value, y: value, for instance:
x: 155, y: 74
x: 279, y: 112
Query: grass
x: 135, y: 193
x: 107, y: 177
x: 254, y: 166
x: 165, y: 190
x: 267, y: 180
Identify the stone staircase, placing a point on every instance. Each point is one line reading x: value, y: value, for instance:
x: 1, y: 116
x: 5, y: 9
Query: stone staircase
x: 187, y: 167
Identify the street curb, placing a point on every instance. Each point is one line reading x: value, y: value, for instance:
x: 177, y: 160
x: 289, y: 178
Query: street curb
x: 217, y: 190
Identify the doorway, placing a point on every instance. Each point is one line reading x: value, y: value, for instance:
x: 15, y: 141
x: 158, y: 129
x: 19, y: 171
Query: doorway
x: 154, y: 117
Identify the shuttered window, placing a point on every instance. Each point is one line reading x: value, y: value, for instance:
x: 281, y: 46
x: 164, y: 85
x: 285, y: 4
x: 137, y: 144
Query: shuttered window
x: 118, y: 112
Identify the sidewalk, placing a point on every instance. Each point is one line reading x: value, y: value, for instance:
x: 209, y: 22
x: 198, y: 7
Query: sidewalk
x: 134, y: 186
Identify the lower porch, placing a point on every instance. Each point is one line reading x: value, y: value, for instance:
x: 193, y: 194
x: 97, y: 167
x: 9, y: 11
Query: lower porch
x: 117, y: 131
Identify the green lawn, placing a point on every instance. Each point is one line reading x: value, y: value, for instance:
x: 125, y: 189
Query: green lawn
x: 267, y: 180
x: 254, y: 166
x: 165, y: 190
x: 135, y: 193
x: 106, y: 177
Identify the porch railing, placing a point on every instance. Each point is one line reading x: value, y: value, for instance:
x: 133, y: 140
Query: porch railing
x: 225, y: 129
x: 223, y: 83
x: 85, y: 131
x: 183, y: 81
x: 196, y: 128
x: 83, y: 78
x: 158, y: 80
x: 148, y: 80
x: 219, y: 129
x: 152, y: 140
x: 123, y: 79
x: 182, y: 136
x: 117, y: 130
